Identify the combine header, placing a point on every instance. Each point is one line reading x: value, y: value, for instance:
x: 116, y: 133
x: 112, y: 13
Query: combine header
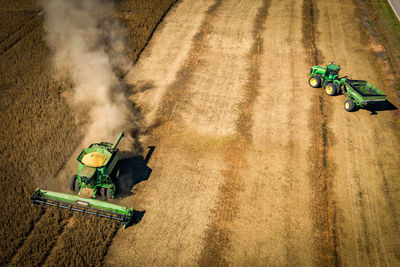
x: 96, y: 175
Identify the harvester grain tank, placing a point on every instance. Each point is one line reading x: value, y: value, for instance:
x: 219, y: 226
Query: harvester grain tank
x: 96, y: 170
x: 95, y: 177
x: 359, y: 93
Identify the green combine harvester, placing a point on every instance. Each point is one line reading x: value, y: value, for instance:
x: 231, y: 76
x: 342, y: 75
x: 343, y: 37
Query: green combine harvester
x: 95, y: 177
x: 359, y: 93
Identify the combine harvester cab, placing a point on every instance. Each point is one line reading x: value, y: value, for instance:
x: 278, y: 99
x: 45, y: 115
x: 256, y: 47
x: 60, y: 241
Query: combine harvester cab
x: 96, y: 175
x: 97, y: 170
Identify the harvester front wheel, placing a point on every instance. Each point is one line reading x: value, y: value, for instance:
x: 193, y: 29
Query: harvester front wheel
x: 349, y: 105
x: 314, y: 81
x: 73, y: 184
x: 103, y: 192
x: 331, y: 89
x: 108, y: 193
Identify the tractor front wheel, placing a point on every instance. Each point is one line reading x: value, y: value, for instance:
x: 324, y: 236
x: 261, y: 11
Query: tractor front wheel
x: 331, y: 89
x: 314, y: 81
x: 349, y: 105
x: 73, y: 184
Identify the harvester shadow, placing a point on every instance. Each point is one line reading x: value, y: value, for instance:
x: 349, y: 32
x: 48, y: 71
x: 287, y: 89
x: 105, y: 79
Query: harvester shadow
x: 382, y: 106
x: 137, y: 217
x: 133, y: 170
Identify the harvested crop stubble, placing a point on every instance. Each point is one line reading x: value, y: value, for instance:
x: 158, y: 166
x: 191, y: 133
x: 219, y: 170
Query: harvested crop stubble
x: 323, y: 203
x: 39, y: 133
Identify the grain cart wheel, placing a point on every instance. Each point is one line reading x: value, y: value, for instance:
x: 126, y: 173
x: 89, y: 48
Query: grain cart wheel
x: 331, y: 89
x: 73, y: 184
x: 314, y: 81
x: 349, y: 105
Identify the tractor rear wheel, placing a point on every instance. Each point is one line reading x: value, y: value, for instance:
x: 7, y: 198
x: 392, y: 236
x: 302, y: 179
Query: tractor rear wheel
x: 314, y: 81
x: 73, y: 184
x: 331, y: 89
x: 349, y: 105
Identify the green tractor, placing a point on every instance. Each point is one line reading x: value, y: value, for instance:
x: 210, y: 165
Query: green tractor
x: 96, y: 175
x: 97, y: 170
x: 359, y: 93
x: 328, y: 78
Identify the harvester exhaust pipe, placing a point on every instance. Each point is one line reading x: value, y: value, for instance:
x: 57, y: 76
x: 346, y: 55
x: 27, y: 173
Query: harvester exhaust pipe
x: 117, y: 140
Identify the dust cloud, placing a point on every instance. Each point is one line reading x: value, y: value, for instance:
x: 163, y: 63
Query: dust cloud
x: 89, y: 49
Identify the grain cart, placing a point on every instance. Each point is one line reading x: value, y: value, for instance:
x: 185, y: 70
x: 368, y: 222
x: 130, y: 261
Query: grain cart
x: 95, y: 176
x: 359, y: 93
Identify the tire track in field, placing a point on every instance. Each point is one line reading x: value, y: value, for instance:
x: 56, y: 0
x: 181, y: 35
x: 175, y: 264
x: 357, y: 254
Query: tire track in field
x: 44, y: 235
x: 387, y: 189
x: 79, y: 237
x: 217, y: 238
x: 27, y: 235
x: 364, y: 225
x: 321, y: 169
x: 27, y: 28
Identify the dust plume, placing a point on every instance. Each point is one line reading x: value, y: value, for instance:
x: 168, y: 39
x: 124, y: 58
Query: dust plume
x: 89, y: 49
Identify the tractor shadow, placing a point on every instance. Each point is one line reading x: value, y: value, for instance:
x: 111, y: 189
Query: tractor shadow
x: 133, y: 169
x: 382, y: 106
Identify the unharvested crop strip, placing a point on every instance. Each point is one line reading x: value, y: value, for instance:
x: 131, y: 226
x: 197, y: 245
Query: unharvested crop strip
x: 22, y: 242
x: 321, y: 172
x: 154, y: 29
x: 84, y: 242
x: 42, y: 239
x: 217, y: 239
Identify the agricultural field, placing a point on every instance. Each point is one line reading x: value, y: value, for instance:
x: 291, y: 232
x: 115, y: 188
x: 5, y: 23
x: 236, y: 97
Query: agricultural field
x: 39, y: 133
x: 246, y: 163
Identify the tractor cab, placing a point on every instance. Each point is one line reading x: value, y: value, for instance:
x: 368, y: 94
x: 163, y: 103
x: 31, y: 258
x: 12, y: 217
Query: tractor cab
x: 332, y: 71
x: 327, y: 78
